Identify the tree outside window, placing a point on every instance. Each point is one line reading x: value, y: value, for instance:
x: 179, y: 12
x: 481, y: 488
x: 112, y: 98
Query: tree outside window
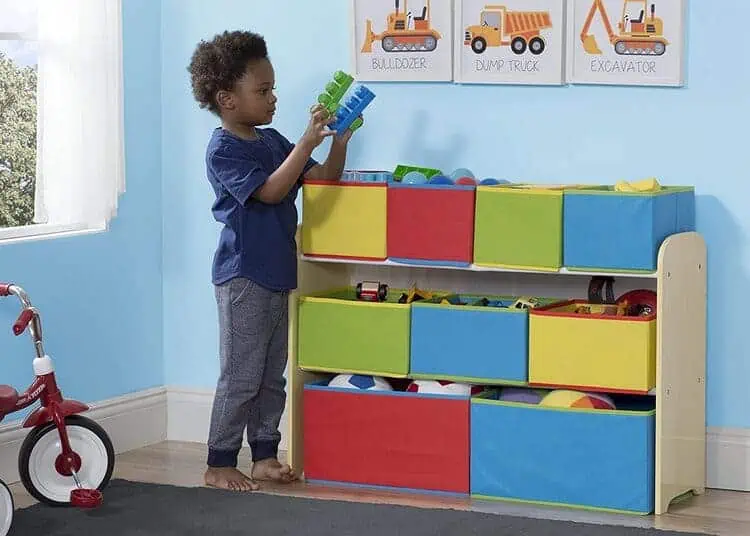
x: 18, y: 114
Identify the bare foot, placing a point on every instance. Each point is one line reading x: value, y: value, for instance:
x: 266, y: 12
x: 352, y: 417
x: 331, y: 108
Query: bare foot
x: 271, y: 469
x: 229, y: 478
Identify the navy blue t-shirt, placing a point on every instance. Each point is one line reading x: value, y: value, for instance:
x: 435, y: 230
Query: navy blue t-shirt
x: 257, y: 240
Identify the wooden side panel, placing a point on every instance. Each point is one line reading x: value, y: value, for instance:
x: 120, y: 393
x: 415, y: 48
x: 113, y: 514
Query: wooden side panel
x: 681, y: 369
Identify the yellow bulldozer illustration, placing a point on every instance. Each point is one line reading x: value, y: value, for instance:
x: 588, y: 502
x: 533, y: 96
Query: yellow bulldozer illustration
x: 642, y: 35
x: 405, y: 32
x: 500, y: 27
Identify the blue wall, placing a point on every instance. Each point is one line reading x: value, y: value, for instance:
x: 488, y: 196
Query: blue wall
x: 692, y: 136
x: 100, y: 295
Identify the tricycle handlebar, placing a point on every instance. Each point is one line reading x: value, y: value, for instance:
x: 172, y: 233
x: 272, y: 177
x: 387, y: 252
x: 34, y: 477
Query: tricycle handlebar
x: 29, y: 317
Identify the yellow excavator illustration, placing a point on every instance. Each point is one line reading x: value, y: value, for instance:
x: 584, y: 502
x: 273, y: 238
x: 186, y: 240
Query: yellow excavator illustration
x: 404, y: 32
x: 643, y: 35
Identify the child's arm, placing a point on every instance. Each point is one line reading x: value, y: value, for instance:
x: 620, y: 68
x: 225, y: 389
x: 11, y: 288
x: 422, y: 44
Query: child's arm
x: 333, y: 167
x: 278, y: 184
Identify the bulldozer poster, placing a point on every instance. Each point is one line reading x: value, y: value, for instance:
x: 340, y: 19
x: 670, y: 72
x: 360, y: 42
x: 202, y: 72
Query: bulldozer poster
x: 627, y: 42
x: 402, y: 40
x: 510, y: 42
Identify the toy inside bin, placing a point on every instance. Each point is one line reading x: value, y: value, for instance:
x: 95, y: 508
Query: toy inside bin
x: 356, y: 175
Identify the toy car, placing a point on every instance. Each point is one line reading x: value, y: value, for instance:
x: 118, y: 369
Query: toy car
x: 372, y: 291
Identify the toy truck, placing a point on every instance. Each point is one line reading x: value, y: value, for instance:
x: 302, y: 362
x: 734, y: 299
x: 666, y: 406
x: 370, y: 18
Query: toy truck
x: 500, y: 27
x: 372, y: 291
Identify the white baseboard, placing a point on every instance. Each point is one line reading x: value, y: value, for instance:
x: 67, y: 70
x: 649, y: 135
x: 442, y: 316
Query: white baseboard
x: 189, y: 415
x: 132, y: 421
x: 728, y: 458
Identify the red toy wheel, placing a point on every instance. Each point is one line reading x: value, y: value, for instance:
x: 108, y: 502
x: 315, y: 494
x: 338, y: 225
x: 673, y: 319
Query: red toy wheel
x: 85, y: 498
x: 644, y: 298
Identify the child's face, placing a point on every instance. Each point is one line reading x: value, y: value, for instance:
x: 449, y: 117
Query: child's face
x: 252, y: 101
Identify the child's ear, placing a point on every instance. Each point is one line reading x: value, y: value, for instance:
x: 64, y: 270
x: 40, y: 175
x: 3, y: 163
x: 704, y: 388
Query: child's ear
x: 225, y: 99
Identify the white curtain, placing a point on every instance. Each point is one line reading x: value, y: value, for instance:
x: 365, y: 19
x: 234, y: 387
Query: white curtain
x: 80, y: 159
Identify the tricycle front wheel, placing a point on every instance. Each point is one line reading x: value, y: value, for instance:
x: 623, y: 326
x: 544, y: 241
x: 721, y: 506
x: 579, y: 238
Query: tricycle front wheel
x: 39, y: 452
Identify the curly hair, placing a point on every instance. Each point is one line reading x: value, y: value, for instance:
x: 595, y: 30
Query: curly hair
x: 218, y: 64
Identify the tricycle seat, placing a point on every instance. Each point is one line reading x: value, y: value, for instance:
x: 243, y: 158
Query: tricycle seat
x: 8, y: 399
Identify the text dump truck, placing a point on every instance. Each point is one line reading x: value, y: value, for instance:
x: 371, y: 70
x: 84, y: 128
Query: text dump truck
x: 499, y: 26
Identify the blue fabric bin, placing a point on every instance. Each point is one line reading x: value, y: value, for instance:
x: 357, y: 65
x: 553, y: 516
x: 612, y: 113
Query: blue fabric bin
x: 468, y: 343
x: 622, y: 231
x: 590, y: 458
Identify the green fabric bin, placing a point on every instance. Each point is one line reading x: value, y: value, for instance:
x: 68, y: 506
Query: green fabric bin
x: 339, y: 334
x: 519, y: 226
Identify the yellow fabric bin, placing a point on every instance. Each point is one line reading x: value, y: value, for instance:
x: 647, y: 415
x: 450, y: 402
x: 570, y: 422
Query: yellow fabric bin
x: 591, y: 351
x: 341, y: 219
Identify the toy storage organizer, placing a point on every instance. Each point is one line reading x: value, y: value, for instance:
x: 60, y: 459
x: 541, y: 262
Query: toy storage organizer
x: 636, y: 458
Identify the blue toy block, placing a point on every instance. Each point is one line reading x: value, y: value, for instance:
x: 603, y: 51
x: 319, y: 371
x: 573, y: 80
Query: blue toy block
x: 351, y: 109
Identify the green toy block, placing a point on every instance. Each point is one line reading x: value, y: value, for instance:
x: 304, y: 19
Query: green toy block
x: 335, y: 91
x: 402, y: 170
x: 356, y: 124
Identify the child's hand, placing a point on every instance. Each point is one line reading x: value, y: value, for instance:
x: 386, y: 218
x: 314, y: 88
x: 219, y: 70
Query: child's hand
x: 347, y: 135
x: 316, y: 130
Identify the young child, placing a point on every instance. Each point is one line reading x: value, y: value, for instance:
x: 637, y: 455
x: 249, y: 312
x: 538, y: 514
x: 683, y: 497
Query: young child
x: 255, y: 174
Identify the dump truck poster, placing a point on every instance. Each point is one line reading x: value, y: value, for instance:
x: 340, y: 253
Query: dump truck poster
x: 402, y: 40
x: 510, y: 41
x: 627, y: 42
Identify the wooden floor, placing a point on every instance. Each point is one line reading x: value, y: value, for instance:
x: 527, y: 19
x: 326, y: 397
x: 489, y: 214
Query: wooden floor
x: 182, y: 464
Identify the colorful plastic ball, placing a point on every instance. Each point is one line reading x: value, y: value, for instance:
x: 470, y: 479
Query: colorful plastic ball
x: 443, y: 387
x: 461, y: 172
x: 414, y: 177
x: 563, y: 398
x: 360, y: 381
x: 521, y: 395
x: 492, y: 182
x: 440, y: 179
x: 466, y: 181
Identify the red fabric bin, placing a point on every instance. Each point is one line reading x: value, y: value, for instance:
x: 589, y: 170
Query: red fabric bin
x: 431, y: 224
x: 387, y: 438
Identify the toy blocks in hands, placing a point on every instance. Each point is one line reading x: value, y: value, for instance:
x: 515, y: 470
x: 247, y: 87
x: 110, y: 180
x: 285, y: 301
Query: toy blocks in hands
x: 347, y: 115
x: 335, y: 91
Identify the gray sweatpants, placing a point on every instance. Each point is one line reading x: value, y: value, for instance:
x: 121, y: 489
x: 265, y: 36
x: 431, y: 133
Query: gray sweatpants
x: 250, y: 395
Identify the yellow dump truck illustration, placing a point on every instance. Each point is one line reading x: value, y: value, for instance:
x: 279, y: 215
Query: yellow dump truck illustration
x: 499, y: 26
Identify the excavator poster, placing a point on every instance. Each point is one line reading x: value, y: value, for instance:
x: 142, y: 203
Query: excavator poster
x: 627, y: 42
x: 510, y: 41
x: 402, y: 40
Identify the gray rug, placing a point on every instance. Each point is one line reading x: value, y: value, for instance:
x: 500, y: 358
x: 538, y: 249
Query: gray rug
x: 135, y: 509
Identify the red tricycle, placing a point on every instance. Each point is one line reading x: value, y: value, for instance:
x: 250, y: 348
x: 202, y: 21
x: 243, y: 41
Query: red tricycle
x: 66, y: 459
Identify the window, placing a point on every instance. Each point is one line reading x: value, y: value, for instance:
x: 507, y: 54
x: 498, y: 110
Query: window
x: 491, y: 18
x: 61, y: 125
